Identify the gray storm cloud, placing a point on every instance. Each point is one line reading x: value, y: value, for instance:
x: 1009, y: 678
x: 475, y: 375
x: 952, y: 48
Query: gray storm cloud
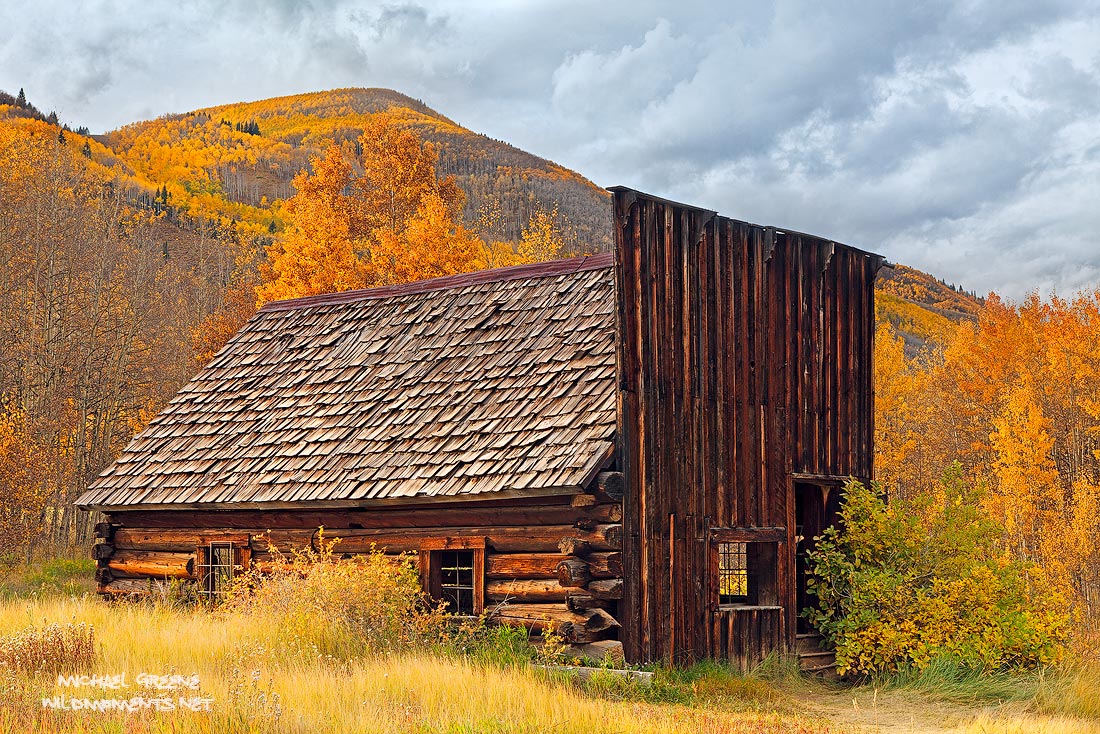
x: 962, y: 138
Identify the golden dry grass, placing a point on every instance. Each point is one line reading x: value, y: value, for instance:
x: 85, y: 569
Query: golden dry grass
x: 257, y: 688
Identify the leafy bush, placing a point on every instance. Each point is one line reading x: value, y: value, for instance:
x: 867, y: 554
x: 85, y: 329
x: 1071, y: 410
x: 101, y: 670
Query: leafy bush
x: 922, y: 579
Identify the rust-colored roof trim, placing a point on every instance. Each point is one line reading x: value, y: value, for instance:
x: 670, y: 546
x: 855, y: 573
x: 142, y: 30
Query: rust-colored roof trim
x: 496, y: 275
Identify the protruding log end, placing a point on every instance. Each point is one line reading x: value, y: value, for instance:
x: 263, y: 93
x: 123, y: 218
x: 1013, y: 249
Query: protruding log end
x: 573, y: 546
x: 606, y: 588
x: 573, y: 572
x: 612, y: 484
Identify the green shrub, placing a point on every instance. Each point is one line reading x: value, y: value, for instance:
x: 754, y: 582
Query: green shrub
x: 922, y: 579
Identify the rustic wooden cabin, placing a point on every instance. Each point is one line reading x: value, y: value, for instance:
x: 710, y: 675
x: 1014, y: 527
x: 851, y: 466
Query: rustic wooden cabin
x: 638, y: 445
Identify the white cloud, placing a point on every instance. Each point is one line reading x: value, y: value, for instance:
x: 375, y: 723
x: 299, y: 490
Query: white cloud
x: 961, y: 137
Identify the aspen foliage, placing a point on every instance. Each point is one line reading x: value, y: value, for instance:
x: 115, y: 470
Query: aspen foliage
x: 542, y: 237
x: 382, y: 217
x: 319, y: 251
x: 94, y: 326
x: 1014, y: 398
x: 23, y: 491
x: 432, y: 243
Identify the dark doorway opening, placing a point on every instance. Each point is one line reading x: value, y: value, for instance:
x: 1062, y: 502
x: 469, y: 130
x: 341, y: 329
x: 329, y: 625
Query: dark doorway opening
x: 816, y: 507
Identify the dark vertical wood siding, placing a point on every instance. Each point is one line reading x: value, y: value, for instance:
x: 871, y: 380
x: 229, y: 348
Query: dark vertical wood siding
x: 744, y: 358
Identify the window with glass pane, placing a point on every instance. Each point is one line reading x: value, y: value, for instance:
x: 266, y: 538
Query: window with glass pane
x: 733, y: 573
x: 218, y: 568
x: 456, y: 580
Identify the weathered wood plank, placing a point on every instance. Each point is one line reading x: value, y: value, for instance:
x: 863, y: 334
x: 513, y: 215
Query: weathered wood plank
x: 743, y: 356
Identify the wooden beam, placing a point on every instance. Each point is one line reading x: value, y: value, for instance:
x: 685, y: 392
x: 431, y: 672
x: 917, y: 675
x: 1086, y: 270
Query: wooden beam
x: 748, y: 535
x: 153, y: 563
x: 525, y: 591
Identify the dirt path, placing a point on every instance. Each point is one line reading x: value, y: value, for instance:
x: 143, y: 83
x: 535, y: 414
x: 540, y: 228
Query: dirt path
x: 869, y: 712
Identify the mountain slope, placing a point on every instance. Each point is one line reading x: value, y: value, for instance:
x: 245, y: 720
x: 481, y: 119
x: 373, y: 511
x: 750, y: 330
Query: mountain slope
x: 217, y: 175
x: 921, y: 308
x: 211, y: 164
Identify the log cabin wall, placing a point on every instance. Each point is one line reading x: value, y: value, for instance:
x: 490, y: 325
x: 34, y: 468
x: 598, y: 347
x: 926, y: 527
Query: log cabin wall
x: 744, y: 359
x: 555, y: 557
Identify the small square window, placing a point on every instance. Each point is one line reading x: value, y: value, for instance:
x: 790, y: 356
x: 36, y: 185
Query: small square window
x: 745, y: 571
x: 733, y: 573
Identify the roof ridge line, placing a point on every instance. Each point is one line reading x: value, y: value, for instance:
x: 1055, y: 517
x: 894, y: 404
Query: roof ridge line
x: 477, y: 277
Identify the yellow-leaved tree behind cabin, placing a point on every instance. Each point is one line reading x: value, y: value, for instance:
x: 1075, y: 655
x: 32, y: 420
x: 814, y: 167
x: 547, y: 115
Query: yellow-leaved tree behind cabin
x: 374, y: 216
x: 1014, y: 397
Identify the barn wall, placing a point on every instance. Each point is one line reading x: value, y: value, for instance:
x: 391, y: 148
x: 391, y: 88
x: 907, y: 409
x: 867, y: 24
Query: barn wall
x: 549, y: 557
x: 744, y: 359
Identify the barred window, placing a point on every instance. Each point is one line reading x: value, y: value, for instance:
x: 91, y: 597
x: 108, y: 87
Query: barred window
x: 217, y: 570
x: 452, y: 571
x: 733, y: 573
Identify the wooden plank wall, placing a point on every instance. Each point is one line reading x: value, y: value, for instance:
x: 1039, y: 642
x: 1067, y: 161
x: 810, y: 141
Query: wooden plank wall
x: 744, y: 357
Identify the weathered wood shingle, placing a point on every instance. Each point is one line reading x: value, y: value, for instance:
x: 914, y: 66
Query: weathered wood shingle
x: 500, y: 380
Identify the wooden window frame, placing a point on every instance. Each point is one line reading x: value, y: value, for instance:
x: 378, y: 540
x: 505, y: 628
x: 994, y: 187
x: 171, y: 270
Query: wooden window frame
x: 763, y: 553
x: 240, y: 551
x: 430, y: 579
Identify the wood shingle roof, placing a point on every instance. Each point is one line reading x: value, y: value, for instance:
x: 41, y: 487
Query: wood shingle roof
x: 495, y: 381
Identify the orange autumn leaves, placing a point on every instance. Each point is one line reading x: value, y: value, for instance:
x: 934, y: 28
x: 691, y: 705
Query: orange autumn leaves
x: 373, y: 214
x: 1015, y: 399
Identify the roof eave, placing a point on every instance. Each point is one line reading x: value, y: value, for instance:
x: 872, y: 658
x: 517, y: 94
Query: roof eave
x: 366, y: 504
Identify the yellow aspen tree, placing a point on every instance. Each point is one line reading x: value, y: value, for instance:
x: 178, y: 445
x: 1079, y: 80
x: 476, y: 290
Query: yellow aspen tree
x: 542, y: 237
x: 398, y: 172
x: 1026, y: 497
x: 318, y: 252
x: 22, y: 491
x: 896, y: 442
x: 393, y: 222
x: 433, y: 243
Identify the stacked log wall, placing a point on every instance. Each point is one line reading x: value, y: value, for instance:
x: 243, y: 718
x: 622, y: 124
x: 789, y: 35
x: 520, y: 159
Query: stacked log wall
x: 551, y: 558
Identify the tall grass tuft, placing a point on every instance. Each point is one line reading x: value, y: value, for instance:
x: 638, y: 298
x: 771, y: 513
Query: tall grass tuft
x: 1074, y: 691
x: 337, y: 608
x: 55, y: 648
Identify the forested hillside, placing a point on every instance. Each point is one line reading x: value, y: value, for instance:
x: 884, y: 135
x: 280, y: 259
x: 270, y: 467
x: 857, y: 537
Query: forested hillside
x: 235, y: 161
x: 922, y: 310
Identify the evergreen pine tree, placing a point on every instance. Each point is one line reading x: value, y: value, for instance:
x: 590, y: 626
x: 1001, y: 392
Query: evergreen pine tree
x: 86, y: 150
x: 61, y: 136
x: 21, y: 100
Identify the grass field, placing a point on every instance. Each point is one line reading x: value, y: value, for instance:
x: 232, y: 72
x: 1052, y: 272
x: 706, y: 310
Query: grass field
x: 253, y: 677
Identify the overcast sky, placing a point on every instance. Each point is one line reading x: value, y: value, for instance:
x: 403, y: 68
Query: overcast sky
x: 962, y: 138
